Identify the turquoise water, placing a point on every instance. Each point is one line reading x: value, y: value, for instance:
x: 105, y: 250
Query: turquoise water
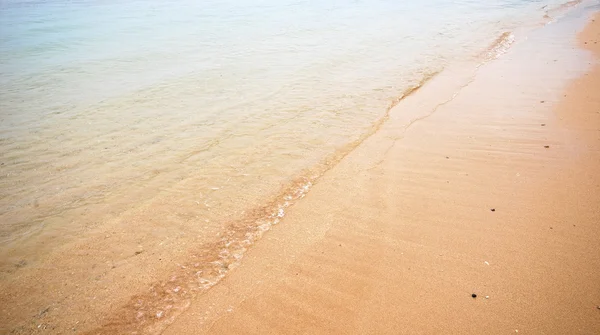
x: 72, y: 54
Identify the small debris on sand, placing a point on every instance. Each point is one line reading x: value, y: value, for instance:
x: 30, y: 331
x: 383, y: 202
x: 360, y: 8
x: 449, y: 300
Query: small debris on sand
x: 493, y: 209
x: 473, y: 295
x: 546, y: 146
x: 44, y: 311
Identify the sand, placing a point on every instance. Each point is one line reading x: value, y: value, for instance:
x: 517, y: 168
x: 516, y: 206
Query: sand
x: 487, y: 186
x: 484, y: 181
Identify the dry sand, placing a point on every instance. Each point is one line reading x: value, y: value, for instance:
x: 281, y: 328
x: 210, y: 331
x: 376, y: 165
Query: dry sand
x: 494, y: 192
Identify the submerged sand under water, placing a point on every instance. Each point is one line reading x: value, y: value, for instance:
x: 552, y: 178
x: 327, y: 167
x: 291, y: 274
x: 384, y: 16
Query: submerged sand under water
x: 212, y: 123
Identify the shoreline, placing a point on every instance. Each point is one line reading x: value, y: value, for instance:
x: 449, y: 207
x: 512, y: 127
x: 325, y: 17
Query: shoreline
x: 397, y: 238
x: 352, y: 222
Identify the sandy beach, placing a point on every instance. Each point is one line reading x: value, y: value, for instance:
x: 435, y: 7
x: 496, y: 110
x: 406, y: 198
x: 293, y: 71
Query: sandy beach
x: 472, y: 206
x: 493, y: 192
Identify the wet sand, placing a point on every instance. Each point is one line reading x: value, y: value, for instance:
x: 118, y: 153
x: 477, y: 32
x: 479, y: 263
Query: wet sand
x: 492, y: 188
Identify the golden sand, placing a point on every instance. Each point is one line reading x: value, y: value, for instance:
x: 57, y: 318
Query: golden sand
x: 494, y: 192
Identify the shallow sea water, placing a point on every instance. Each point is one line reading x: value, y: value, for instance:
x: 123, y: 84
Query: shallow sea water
x: 125, y: 99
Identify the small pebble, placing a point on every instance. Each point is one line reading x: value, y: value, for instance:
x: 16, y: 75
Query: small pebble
x: 542, y: 101
x: 546, y: 146
x: 493, y: 209
x: 543, y: 124
x: 487, y: 296
x: 473, y: 295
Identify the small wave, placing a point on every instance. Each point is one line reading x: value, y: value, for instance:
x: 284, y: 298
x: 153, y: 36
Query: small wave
x: 153, y: 310
x: 499, y: 47
x: 552, y: 13
x: 503, y: 43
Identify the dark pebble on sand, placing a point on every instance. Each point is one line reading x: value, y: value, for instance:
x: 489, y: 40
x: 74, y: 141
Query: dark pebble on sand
x: 493, y: 209
x: 138, y: 252
x: 44, y: 311
x: 473, y: 295
x: 542, y: 101
x: 543, y: 124
x: 546, y: 146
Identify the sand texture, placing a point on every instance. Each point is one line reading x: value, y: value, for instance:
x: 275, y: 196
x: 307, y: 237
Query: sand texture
x: 488, y: 185
x: 472, y: 207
